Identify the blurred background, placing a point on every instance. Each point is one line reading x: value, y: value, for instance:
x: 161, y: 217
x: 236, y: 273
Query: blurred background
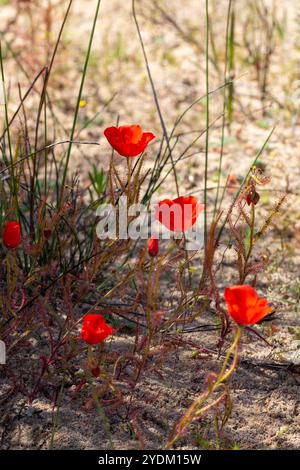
x: 254, y: 48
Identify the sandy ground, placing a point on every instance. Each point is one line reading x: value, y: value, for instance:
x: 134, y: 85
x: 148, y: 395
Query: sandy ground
x: 265, y: 401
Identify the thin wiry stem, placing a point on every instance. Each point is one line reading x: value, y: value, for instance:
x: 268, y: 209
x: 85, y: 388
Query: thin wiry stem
x: 87, y: 58
x: 207, y: 121
x: 243, y: 182
x: 5, y: 105
x: 155, y: 96
x: 23, y: 99
x: 46, y: 147
x: 224, y: 107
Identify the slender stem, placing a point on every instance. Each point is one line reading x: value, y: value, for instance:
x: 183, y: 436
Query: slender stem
x: 14, y: 183
x: 222, y: 375
x: 224, y: 108
x: 243, y: 183
x: 199, y: 405
x: 102, y: 414
x: 129, y: 170
x: 87, y: 58
x: 251, y: 242
x: 46, y: 147
x: 207, y: 122
x: 90, y: 354
x: 166, y: 136
x: 56, y: 415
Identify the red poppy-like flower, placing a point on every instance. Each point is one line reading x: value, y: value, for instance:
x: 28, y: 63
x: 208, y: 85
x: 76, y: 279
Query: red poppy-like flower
x: 12, y: 234
x: 128, y: 141
x: 153, y: 246
x: 178, y: 214
x: 244, y: 305
x: 95, y: 329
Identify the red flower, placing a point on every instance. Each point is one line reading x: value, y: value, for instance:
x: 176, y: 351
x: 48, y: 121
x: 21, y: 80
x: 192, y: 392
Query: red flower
x: 12, y: 234
x: 128, y: 141
x: 153, y: 246
x: 95, y: 329
x: 244, y: 305
x: 178, y: 214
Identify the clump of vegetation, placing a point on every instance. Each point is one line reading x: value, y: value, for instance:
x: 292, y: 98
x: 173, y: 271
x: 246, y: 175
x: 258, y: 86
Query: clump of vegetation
x: 69, y: 290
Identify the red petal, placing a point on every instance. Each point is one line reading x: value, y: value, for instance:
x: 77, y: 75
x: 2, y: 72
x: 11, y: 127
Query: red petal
x: 244, y: 305
x: 131, y: 134
x: 178, y: 214
x: 128, y: 141
x: 153, y: 246
x: 11, y: 234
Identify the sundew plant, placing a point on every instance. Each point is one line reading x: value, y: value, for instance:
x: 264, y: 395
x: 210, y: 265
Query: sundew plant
x: 149, y: 218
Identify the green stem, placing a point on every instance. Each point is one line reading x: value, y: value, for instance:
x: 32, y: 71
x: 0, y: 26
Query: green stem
x: 90, y: 354
x: 56, y: 415
x: 13, y: 184
x: 243, y: 182
x: 224, y: 109
x: 251, y: 243
x: 207, y: 122
x: 199, y: 406
x: 87, y: 58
